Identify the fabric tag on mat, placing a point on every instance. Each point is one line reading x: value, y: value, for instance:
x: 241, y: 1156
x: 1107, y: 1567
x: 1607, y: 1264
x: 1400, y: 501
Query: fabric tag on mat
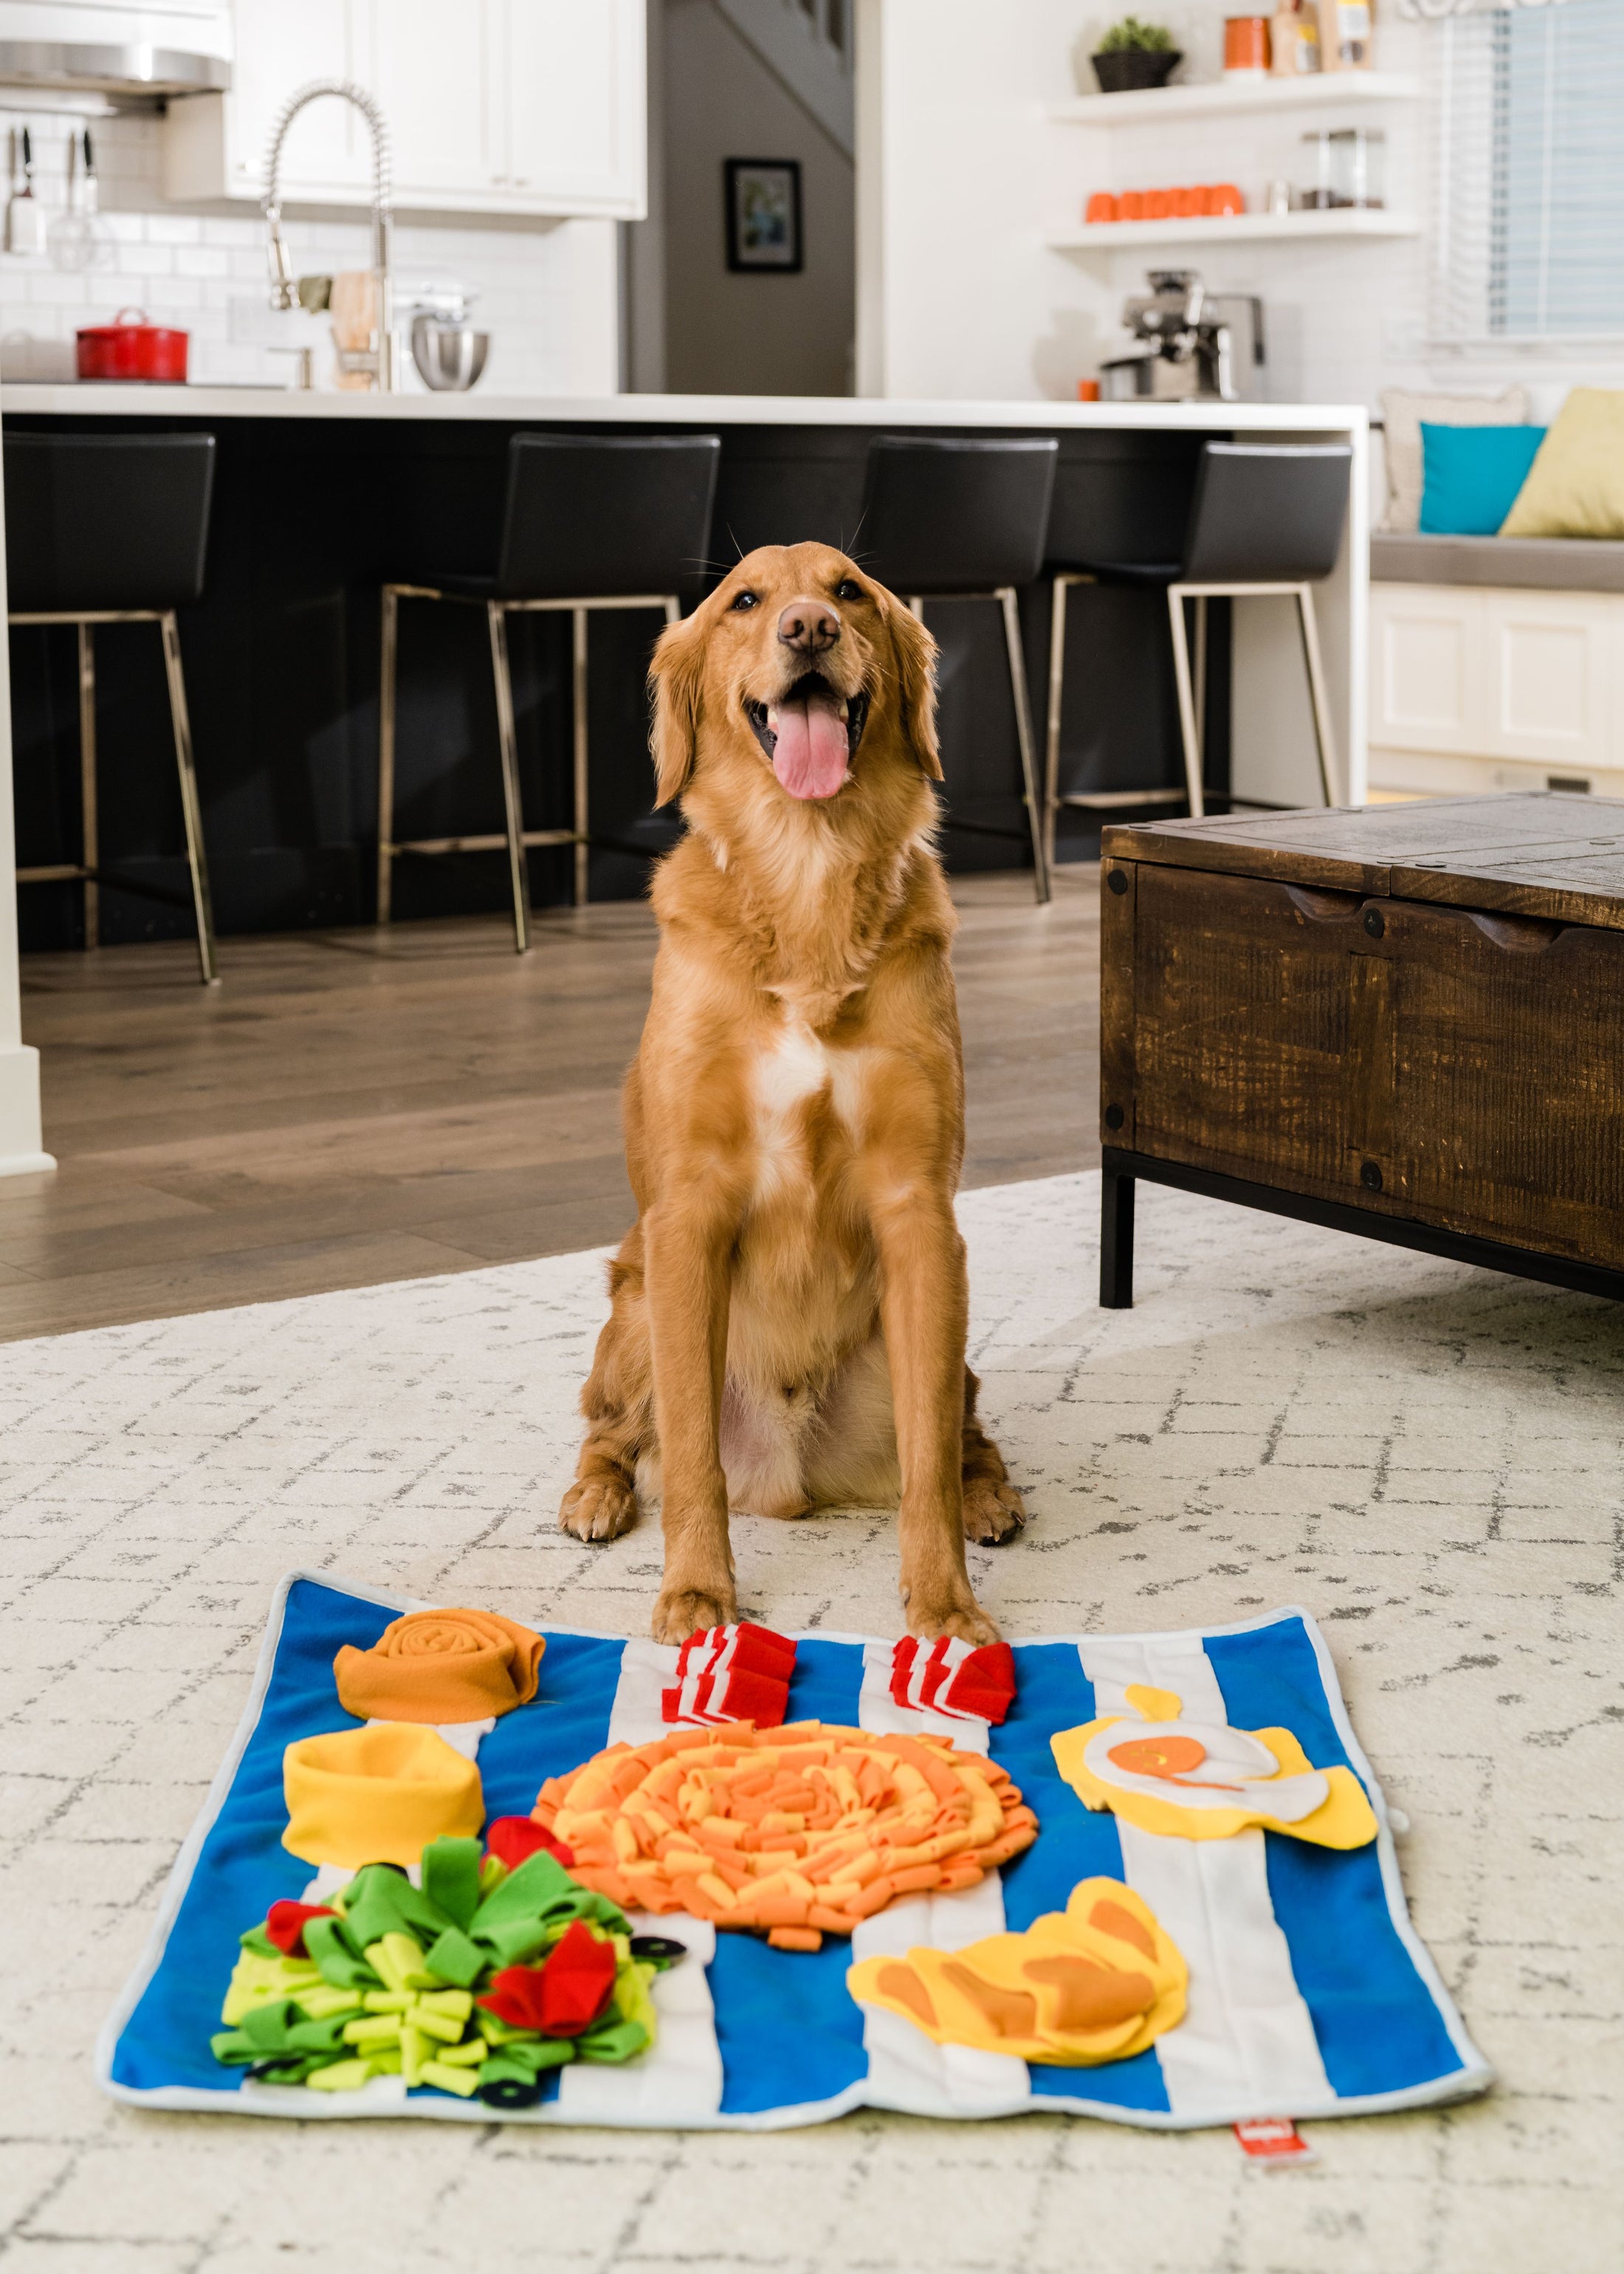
x: 1273, y: 2142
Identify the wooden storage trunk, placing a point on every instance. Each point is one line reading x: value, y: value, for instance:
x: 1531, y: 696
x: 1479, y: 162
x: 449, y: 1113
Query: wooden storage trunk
x: 1407, y: 1019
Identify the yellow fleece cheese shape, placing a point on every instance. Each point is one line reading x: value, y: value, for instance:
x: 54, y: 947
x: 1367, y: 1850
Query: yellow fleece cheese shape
x: 376, y: 1794
x: 1205, y: 1781
x: 1097, y: 1982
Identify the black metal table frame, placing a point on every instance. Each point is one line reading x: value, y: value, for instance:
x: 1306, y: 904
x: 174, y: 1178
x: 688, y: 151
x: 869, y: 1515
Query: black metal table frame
x: 1123, y: 1169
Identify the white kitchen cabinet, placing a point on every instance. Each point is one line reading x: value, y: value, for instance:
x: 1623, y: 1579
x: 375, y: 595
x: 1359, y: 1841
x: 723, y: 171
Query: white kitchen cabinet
x: 574, y: 129
x: 215, y: 145
x: 493, y: 106
x: 1426, y: 658
x: 435, y: 72
x: 1483, y: 687
x: 1548, y: 661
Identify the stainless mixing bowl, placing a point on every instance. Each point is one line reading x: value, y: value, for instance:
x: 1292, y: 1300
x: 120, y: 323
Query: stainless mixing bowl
x: 449, y: 357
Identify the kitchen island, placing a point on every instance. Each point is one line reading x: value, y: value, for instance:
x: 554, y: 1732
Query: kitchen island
x: 320, y: 497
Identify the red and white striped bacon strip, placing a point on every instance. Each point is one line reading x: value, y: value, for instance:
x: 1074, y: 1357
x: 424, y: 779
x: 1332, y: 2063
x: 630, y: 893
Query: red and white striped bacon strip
x: 731, y: 1674
x: 955, y: 1678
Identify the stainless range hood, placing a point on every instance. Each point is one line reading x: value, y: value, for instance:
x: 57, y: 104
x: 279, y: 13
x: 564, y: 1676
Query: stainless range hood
x: 174, y: 47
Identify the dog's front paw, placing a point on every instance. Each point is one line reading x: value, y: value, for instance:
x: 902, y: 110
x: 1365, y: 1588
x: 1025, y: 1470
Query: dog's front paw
x: 599, y: 1508
x: 958, y: 1616
x: 684, y: 1611
x: 992, y: 1511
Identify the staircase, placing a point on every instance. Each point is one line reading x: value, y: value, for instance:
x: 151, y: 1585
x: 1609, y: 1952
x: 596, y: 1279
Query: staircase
x: 807, y: 46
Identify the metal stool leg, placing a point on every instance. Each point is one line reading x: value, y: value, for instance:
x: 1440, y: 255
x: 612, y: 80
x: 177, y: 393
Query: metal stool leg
x: 1023, y: 733
x: 578, y: 624
x: 197, y: 859
x: 1324, y: 735
x: 1056, y: 681
x: 1200, y: 685
x: 90, y: 853
x: 388, y: 653
x: 1186, y: 701
x: 497, y: 618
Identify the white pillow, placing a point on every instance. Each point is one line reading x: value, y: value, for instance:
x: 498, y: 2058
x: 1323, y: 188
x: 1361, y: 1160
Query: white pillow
x: 1403, y: 413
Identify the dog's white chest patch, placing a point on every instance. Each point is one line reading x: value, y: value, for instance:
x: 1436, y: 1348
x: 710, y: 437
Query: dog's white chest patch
x: 798, y: 1067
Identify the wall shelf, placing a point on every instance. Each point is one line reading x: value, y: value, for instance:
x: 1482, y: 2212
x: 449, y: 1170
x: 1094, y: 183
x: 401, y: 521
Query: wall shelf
x: 1235, y: 228
x: 1228, y: 98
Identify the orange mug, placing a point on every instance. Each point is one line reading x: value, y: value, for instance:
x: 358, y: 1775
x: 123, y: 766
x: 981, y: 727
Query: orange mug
x: 1088, y: 390
x: 1158, y: 204
x: 1245, y: 43
x: 1102, y: 206
x: 1130, y: 205
x: 1185, y: 203
x: 1226, y: 199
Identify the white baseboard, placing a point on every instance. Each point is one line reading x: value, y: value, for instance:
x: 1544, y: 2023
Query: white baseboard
x: 1433, y: 774
x: 25, y: 1165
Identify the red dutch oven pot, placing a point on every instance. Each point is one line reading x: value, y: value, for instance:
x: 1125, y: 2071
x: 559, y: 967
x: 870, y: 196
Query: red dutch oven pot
x: 131, y: 348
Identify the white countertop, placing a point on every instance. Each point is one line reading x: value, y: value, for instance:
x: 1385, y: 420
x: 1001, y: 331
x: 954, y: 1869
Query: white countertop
x: 129, y: 400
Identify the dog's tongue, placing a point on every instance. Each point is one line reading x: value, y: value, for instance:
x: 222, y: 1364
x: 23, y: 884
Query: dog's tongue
x: 809, y: 756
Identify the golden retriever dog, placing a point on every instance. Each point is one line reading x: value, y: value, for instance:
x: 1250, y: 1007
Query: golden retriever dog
x: 789, y: 1312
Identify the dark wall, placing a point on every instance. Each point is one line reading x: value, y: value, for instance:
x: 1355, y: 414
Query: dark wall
x: 282, y: 661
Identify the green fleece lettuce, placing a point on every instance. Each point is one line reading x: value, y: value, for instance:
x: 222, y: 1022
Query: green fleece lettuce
x: 387, y: 1984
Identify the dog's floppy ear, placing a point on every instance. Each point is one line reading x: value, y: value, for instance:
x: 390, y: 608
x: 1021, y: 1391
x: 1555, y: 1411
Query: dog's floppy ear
x: 674, y: 678
x: 916, y: 684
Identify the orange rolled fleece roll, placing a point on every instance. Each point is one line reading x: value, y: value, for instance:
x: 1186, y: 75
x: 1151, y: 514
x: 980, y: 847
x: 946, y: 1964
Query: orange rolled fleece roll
x: 377, y: 1796
x: 440, y: 1667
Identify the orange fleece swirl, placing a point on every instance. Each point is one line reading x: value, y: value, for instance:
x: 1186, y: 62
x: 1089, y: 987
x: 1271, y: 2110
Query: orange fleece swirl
x: 440, y: 1667
x: 799, y: 1831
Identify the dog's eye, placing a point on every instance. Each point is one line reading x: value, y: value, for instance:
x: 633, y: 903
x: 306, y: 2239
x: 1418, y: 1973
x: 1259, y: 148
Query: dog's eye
x: 846, y: 589
x: 747, y: 600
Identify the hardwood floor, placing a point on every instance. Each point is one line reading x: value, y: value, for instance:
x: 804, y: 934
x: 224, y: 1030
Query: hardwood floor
x: 357, y: 1106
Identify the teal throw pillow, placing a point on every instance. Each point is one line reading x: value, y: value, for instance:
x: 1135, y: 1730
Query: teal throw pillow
x: 1471, y: 475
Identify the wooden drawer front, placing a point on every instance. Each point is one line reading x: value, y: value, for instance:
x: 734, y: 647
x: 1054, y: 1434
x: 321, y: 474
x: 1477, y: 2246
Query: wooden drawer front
x: 1464, y: 1068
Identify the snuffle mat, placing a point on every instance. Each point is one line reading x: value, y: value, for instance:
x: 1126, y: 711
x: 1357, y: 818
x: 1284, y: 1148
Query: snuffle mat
x: 1234, y: 1899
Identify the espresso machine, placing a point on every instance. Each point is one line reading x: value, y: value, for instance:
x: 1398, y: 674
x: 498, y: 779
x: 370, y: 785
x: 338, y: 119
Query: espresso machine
x: 1190, y: 344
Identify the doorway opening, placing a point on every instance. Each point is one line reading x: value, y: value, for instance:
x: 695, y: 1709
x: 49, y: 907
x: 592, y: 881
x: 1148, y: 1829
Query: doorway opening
x: 743, y: 279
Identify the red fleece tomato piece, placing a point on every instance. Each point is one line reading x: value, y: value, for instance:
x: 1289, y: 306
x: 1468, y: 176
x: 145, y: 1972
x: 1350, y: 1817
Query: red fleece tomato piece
x: 285, y: 1923
x: 514, y: 1840
x: 565, y: 1994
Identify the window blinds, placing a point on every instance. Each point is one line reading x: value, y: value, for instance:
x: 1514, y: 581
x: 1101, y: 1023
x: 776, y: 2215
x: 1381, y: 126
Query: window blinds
x: 1528, y: 241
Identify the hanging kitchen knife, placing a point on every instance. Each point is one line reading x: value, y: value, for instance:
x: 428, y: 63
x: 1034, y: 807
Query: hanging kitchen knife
x: 24, y: 216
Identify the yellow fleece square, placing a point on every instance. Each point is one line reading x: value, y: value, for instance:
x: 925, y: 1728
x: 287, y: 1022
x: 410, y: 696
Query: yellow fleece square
x: 1575, y: 484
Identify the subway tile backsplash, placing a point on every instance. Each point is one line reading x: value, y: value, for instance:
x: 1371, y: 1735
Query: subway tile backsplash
x: 545, y: 291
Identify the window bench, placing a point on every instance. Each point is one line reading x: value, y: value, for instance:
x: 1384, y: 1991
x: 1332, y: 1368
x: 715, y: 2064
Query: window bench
x: 1496, y: 664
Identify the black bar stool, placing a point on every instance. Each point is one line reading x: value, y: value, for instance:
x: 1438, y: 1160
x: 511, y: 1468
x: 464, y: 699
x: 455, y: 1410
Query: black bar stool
x: 966, y: 520
x: 590, y: 521
x: 1268, y: 517
x: 113, y: 529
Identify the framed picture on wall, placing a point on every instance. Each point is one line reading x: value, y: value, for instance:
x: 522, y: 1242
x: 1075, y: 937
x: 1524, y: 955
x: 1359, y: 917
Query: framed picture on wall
x: 764, y: 215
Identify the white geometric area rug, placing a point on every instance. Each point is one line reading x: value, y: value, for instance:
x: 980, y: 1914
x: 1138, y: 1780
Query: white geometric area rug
x: 1426, y: 1457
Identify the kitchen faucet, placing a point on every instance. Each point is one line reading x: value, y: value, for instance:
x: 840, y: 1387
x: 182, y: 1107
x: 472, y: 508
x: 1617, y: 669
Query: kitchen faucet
x: 380, y: 359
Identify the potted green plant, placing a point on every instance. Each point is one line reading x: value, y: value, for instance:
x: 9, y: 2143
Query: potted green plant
x: 1134, y: 55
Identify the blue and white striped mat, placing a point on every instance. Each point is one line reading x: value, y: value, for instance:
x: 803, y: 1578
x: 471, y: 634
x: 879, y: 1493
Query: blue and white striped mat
x: 1310, y: 1992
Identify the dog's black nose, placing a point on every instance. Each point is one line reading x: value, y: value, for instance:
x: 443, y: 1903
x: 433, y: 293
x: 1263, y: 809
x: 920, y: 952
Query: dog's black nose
x: 809, y: 626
